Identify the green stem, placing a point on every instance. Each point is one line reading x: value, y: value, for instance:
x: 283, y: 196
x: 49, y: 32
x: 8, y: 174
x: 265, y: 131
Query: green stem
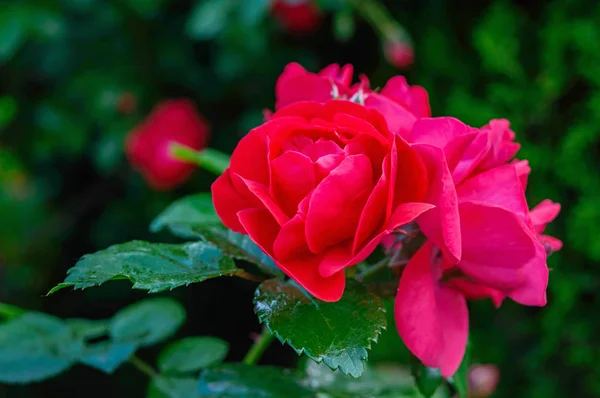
x: 143, y: 367
x: 208, y: 158
x: 258, y: 348
x: 379, y: 18
x: 10, y: 311
x: 369, y: 272
x: 248, y: 276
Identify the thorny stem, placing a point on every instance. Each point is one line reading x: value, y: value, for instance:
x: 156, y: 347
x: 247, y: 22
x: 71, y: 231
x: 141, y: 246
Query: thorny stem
x: 143, y: 367
x: 258, y: 348
x: 10, y: 311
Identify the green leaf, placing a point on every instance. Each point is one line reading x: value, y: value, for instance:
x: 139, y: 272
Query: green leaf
x: 150, y: 266
x: 107, y: 356
x: 427, y: 379
x: 207, y: 18
x: 104, y: 355
x: 241, y: 247
x: 338, y: 334
x: 183, y: 215
x: 34, y: 347
x: 13, y: 30
x: 250, y: 13
x: 239, y: 380
x: 192, y: 354
x: 147, y: 322
x: 343, y: 24
x: 173, y: 387
x: 460, y: 379
x: 8, y: 110
x: 146, y: 8
x: 194, y: 216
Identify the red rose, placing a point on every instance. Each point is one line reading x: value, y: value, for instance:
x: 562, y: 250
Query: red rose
x: 299, y: 17
x: 318, y: 186
x: 148, y: 145
x: 400, y: 103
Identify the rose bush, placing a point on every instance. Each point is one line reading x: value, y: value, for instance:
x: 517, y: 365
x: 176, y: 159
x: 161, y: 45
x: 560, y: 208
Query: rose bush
x: 318, y: 186
x: 148, y: 146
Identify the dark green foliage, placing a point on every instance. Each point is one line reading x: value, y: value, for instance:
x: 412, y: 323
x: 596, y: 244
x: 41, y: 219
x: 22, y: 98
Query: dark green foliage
x: 66, y: 188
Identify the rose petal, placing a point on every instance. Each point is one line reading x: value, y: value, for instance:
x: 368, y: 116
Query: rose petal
x: 438, y: 131
x: 399, y: 119
x: 291, y: 240
x: 296, y: 84
x: 415, y: 98
x: 263, y: 229
x: 431, y: 319
x: 499, y: 186
x: 252, y: 150
x: 336, y: 203
x: 533, y: 290
x: 345, y: 255
x: 496, y: 245
x: 545, y: 212
x: 292, y: 178
x: 262, y: 193
x: 475, y: 291
x: 228, y: 201
x: 442, y: 224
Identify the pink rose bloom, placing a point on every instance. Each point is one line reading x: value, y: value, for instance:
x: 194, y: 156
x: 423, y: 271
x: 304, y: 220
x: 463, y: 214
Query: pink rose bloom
x: 400, y: 103
x: 494, y: 250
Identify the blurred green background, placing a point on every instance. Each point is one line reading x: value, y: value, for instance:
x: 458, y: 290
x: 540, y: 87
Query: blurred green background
x: 77, y: 75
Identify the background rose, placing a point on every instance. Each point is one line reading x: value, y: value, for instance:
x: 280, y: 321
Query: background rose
x: 148, y: 145
x: 318, y: 186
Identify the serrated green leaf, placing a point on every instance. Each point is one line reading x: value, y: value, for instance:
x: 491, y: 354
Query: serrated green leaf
x: 194, y: 217
x: 147, y: 322
x: 460, y: 379
x: 207, y: 18
x: 339, y: 334
x: 173, y: 387
x: 184, y: 215
x: 34, y: 347
x: 192, y: 354
x: 150, y: 266
x: 241, y: 247
x: 427, y: 379
x: 239, y: 380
